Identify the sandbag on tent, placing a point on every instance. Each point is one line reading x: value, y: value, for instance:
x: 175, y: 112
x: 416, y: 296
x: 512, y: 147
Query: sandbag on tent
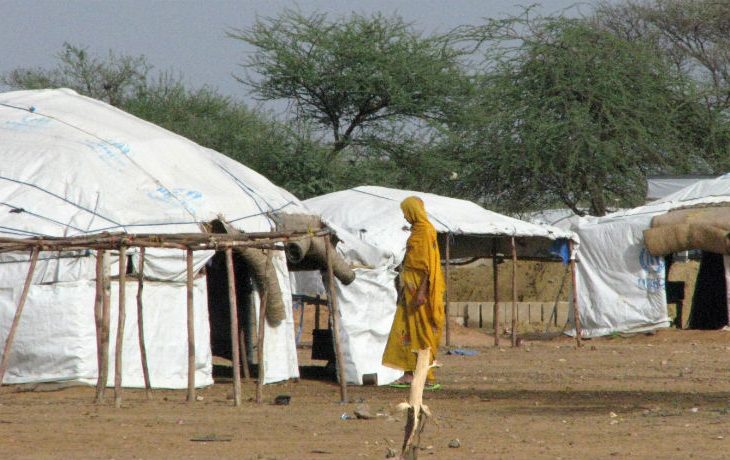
x: 703, y: 228
x: 662, y: 241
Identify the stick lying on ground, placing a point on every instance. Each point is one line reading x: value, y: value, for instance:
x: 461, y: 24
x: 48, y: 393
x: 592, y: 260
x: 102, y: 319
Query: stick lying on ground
x: 415, y: 407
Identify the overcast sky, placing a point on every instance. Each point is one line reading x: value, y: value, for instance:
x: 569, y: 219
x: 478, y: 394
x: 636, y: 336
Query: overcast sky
x: 189, y: 39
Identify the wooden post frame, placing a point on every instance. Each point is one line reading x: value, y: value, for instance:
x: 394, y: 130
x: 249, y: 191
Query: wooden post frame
x: 18, y: 311
x: 332, y: 295
x: 140, y: 326
x: 105, y: 242
x: 191, y: 327
x: 235, y: 359
x: 576, y: 312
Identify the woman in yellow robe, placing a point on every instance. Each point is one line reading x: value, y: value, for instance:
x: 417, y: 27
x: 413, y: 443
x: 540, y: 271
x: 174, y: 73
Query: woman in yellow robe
x: 419, y: 316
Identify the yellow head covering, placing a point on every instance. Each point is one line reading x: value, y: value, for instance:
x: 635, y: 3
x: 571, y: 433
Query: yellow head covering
x: 414, y: 210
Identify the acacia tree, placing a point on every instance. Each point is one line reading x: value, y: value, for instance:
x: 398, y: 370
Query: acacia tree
x: 112, y: 79
x: 695, y: 36
x: 570, y: 114
x: 355, y: 76
x: 288, y: 157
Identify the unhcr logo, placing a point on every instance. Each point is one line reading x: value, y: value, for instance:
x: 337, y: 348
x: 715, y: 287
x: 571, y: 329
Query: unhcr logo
x: 653, y: 267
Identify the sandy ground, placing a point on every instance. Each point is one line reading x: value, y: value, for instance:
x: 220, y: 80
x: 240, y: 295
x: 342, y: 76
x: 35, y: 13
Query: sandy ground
x: 659, y: 396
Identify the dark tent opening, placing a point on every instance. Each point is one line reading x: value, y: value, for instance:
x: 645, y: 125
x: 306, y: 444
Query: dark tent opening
x: 219, y: 307
x: 709, y: 301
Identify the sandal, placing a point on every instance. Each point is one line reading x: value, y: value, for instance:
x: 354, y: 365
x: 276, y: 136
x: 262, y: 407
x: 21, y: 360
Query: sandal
x: 432, y: 386
x: 399, y: 385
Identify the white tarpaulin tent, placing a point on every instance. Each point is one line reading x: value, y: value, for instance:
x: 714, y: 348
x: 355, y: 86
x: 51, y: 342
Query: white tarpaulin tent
x: 621, y: 287
x: 73, y: 166
x: 658, y: 187
x: 375, y: 240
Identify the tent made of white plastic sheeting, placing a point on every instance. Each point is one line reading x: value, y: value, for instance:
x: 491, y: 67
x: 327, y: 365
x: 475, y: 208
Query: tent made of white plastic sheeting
x: 373, y: 233
x: 559, y: 217
x: 658, y: 187
x: 74, y: 166
x: 620, y: 285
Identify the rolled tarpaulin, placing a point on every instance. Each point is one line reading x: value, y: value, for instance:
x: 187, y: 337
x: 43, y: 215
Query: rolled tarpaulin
x: 264, y: 277
x: 311, y: 252
x: 263, y: 272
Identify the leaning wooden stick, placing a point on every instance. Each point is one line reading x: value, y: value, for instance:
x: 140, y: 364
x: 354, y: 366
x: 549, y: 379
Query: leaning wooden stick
x: 233, y: 310
x: 18, y: 312
x: 105, y: 326
x: 191, y: 328
x: 417, y: 411
x: 121, y: 317
x: 260, y: 338
x: 140, y: 327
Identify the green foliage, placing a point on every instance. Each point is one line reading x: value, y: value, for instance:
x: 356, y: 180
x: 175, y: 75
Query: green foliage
x: 354, y: 77
x: 694, y: 35
x: 292, y: 160
x: 571, y: 114
x: 111, y: 80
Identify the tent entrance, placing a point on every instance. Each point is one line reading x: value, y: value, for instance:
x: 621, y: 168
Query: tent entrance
x: 219, y: 306
x: 710, y: 300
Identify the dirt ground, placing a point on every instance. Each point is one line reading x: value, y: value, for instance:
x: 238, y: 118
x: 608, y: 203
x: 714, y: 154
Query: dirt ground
x: 665, y: 395
x: 660, y: 396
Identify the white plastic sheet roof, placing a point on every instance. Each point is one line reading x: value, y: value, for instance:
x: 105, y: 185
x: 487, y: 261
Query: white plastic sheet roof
x: 72, y: 165
x: 660, y: 187
x: 708, y: 191
x: 374, y: 214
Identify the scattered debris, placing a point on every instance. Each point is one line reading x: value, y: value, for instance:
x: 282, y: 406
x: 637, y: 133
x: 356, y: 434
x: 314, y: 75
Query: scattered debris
x: 462, y: 352
x: 455, y: 443
x: 212, y: 437
x: 282, y: 400
x: 363, y: 412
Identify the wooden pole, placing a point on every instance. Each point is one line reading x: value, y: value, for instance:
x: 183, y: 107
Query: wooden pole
x: 18, y: 311
x: 140, y: 326
x: 98, y: 315
x: 576, y: 312
x: 243, y: 352
x: 260, y: 337
x: 447, y: 305
x: 105, y: 326
x: 233, y: 308
x: 121, y: 318
x: 495, y: 276
x: 514, y: 293
x: 191, y: 329
x: 332, y: 295
x: 417, y: 412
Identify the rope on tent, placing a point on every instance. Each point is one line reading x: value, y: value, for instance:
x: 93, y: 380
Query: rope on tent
x: 54, y: 195
x: 450, y: 230
x: 112, y: 145
x: 250, y: 192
